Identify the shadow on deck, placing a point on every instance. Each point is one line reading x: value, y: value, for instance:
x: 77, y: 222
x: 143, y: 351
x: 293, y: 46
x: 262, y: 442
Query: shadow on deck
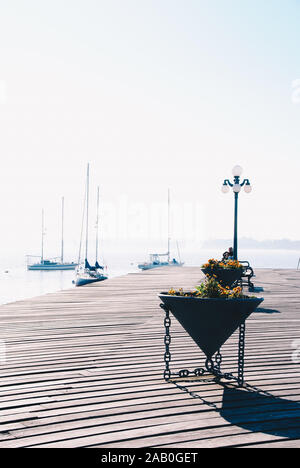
x: 262, y: 310
x: 257, y: 412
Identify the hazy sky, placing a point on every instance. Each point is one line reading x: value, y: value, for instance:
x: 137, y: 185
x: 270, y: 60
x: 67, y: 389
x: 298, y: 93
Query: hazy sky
x: 155, y: 94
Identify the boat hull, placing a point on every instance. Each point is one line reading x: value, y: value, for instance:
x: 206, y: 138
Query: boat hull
x: 151, y: 266
x: 58, y: 267
x: 85, y: 281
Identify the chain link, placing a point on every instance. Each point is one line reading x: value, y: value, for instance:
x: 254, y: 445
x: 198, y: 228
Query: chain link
x: 199, y: 372
x: 218, y: 361
x: 241, y: 362
x: 167, y: 341
x: 210, y: 365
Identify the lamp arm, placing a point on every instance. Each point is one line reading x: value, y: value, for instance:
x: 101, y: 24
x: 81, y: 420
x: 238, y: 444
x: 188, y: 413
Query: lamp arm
x: 245, y: 182
x: 227, y: 182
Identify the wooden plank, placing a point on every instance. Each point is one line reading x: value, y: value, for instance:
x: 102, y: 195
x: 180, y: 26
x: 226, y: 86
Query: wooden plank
x: 84, y: 369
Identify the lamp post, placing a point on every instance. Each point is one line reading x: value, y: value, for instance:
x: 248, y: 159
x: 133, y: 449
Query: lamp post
x: 236, y: 186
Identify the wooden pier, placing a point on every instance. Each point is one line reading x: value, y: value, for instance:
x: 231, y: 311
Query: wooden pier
x: 84, y: 369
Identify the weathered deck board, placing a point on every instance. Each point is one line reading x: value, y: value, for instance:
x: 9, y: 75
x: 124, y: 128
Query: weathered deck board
x: 84, y: 369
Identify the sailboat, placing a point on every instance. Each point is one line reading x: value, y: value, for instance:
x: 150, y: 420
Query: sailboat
x: 52, y: 264
x: 86, y: 273
x: 156, y: 259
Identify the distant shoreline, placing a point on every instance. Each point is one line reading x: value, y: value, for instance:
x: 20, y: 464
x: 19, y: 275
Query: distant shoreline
x: 252, y: 244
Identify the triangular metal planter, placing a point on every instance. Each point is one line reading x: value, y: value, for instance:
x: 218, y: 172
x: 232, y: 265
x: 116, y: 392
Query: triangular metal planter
x: 210, y: 322
x: 225, y: 277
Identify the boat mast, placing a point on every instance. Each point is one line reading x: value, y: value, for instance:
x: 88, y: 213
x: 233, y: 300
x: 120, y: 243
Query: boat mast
x: 62, y: 228
x: 42, y: 256
x: 97, y: 223
x: 169, y: 239
x: 87, y: 211
x: 179, y: 256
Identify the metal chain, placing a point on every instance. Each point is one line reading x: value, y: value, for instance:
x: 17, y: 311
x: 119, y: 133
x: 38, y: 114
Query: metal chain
x: 218, y: 361
x: 199, y: 372
x: 241, y: 361
x: 167, y: 341
x: 209, y: 364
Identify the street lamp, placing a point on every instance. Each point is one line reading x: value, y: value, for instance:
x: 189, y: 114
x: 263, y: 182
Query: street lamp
x: 236, y: 186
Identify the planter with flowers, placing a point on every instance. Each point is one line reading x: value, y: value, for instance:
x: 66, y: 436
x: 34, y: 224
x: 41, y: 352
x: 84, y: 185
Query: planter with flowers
x: 227, y: 273
x: 210, y: 315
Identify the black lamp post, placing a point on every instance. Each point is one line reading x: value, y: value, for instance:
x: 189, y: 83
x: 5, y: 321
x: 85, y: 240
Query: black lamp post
x: 236, y: 186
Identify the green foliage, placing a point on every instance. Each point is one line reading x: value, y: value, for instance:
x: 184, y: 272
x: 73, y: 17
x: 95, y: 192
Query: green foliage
x: 211, y: 289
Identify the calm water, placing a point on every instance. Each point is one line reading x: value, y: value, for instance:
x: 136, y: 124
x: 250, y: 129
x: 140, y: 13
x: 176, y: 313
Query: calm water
x: 19, y: 283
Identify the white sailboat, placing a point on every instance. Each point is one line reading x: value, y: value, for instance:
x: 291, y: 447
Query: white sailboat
x: 156, y: 259
x: 52, y: 264
x: 86, y: 273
